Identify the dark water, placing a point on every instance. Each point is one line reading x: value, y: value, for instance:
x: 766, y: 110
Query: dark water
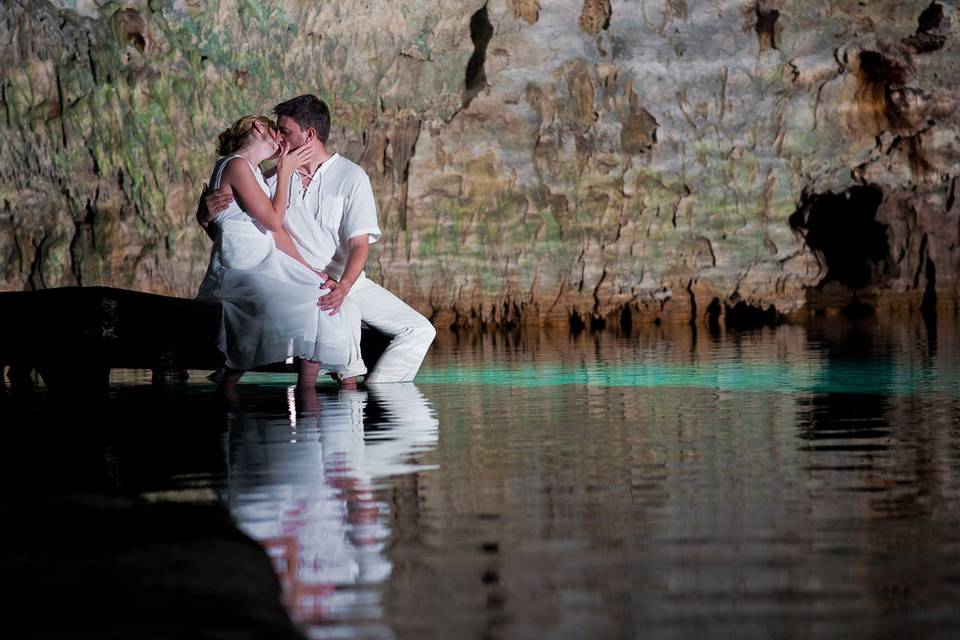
x: 782, y: 483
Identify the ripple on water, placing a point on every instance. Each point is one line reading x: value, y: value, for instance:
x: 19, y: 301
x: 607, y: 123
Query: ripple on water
x: 783, y: 483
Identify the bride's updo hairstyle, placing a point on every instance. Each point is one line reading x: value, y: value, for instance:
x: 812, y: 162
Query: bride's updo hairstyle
x: 234, y: 137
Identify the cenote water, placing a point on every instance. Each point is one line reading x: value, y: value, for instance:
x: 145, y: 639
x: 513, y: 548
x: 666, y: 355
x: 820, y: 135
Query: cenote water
x: 790, y: 482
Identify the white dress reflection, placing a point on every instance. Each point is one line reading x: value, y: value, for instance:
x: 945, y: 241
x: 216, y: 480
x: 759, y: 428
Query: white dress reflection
x: 305, y: 486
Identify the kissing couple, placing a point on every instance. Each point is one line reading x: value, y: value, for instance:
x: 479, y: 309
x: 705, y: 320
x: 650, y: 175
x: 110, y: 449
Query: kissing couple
x: 289, y: 250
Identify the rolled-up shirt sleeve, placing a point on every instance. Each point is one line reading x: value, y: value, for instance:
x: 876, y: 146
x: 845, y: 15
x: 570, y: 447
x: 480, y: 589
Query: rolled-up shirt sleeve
x: 360, y: 216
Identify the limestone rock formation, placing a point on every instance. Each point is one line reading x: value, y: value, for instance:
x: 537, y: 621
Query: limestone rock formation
x: 572, y: 160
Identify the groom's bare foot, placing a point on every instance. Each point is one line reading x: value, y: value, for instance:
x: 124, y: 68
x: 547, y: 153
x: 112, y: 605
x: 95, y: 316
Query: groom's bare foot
x: 231, y: 376
x: 344, y: 383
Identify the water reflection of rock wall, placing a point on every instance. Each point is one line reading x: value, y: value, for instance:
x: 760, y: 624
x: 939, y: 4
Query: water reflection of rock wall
x: 690, y: 511
x: 532, y: 160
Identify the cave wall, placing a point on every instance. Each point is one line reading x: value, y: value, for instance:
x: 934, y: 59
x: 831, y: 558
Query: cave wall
x: 533, y: 161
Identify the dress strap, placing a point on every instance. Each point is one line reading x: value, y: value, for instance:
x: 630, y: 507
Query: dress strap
x: 218, y: 172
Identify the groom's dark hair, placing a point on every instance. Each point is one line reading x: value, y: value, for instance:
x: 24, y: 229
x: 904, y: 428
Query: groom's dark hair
x: 307, y: 111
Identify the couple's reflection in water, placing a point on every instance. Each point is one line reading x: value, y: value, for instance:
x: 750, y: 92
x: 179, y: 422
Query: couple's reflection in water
x: 305, y: 485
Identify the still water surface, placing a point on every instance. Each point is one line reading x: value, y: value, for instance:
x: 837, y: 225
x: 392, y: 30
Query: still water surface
x: 785, y: 483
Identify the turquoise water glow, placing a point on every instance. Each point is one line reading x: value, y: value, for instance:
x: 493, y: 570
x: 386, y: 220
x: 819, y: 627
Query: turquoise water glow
x: 863, y: 377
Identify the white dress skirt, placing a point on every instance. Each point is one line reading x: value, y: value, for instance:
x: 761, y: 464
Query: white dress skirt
x: 269, y: 300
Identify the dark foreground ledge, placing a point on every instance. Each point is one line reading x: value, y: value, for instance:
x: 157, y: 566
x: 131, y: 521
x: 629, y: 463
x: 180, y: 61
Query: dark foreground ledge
x: 73, y: 336
x: 93, y: 566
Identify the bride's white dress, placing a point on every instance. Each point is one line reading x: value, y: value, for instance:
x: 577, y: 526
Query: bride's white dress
x: 269, y: 300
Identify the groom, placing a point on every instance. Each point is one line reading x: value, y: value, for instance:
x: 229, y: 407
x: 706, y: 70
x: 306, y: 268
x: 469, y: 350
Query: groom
x: 332, y: 218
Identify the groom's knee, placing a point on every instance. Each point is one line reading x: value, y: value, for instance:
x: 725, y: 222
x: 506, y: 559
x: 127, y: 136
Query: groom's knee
x: 425, y: 330
x: 419, y: 331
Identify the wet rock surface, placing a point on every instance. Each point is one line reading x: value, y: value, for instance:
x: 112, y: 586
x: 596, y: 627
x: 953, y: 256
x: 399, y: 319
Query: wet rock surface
x: 533, y: 161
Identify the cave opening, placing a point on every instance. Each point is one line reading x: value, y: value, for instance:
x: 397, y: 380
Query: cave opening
x: 713, y: 316
x: 626, y: 320
x: 926, y: 38
x: 930, y: 18
x: 481, y: 31
x: 742, y: 316
x: 766, y: 28
x: 843, y: 230
x: 577, y: 324
x: 879, y: 69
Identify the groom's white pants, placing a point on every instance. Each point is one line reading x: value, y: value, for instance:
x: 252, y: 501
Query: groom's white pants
x: 411, y: 334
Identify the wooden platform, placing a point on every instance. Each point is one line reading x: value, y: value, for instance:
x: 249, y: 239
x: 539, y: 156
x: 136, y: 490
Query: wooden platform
x: 73, y: 336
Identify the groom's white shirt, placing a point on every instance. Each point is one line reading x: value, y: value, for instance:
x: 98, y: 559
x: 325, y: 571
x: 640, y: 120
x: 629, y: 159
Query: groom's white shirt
x: 336, y: 206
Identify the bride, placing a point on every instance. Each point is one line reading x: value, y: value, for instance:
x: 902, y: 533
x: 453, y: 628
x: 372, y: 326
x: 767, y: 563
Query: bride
x: 268, y: 292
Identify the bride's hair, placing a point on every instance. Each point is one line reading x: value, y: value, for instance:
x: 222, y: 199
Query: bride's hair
x: 234, y: 137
